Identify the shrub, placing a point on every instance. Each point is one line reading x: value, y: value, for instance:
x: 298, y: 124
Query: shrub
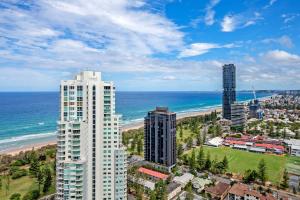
x: 15, y: 196
x: 31, y: 195
x: 19, y: 173
x: 18, y: 163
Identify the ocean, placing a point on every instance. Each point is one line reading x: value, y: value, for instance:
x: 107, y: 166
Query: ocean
x: 30, y: 117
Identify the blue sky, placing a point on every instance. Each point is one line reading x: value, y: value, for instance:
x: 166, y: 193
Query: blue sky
x: 150, y: 45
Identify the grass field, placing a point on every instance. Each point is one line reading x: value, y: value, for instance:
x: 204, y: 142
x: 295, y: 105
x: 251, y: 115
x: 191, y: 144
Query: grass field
x: 293, y: 165
x: 186, y: 133
x: 240, y: 161
x: 21, y: 185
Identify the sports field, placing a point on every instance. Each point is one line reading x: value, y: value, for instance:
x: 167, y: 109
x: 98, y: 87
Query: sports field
x: 240, y: 161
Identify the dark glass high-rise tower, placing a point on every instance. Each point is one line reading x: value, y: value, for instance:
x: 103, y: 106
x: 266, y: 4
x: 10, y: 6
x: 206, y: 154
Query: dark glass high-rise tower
x: 160, y: 137
x: 229, y: 93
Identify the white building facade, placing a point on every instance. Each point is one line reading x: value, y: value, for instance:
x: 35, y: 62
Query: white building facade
x: 91, y: 161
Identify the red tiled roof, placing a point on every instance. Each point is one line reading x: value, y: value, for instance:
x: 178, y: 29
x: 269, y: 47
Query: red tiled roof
x: 270, y: 146
x: 235, y: 142
x: 153, y: 173
x: 238, y: 189
x: 219, y: 189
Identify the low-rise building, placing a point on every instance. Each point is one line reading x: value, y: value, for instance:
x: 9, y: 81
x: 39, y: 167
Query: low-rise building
x: 215, y: 142
x: 200, y: 183
x: 240, y: 191
x: 151, y: 174
x: 218, y: 191
x: 173, y: 189
x: 184, y: 179
x: 292, y: 146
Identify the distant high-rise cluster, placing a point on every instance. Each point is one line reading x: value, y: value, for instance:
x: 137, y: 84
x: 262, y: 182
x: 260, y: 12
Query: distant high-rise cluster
x: 229, y: 86
x: 160, y: 137
x: 91, y: 162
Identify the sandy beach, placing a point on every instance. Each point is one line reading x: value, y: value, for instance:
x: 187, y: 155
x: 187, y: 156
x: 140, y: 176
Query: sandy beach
x: 126, y: 127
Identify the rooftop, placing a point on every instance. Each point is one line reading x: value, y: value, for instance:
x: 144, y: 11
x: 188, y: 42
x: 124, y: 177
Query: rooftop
x: 153, y: 173
x: 292, y: 142
x: 241, y: 189
x: 270, y: 146
x: 219, y: 189
x: 185, y: 178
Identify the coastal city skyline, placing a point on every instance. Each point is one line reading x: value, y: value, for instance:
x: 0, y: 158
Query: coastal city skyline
x: 149, y: 100
x: 150, y: 45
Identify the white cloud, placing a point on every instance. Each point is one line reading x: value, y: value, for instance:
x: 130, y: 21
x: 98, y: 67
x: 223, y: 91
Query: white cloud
x: 271, y: 2
x: 209, y: 18
x: 282, y: 57
x: 232, y: 22
x: 287, y: 18
x: 229, y: 23
x: 169, y: 78
x: 202, y: 48
x: 283, y: 40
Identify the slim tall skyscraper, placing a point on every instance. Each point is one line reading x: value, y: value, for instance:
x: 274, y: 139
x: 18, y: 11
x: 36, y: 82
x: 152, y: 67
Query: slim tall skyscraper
x: 91, y: 161
x: 229, y: 93
x: 160, y: 137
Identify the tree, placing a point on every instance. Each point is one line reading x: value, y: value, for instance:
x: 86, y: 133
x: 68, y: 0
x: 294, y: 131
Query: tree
x: 15, y: 196
x: 189, y: 142
x: 179, y: 149
x: 284, y: 184
x: 201, y: 158
x: 204, y: 136
x: 31, y: 195
x: 181, y: 131
x: 262, y: 171
x: 192, y: 160
x: 0, y: 183
x: 161, y: 190
x: 284, y: 133
x: 34, y: 167
x: 40, y: 178
x: 199, y: 139
x: 189, y: 192
x: 140, y: 146
x: 207, y: 161
x: 152, y: 195
x: 47, y: 179
x: 218, y: 130
x: 225, y: 162
x: 133, y: 144
x: 250, y: 176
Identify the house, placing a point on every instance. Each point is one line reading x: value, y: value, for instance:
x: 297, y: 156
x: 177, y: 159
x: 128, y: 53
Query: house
x: 219, y: 191
x: 240, y: 191
x: 199, y: 183
x: 173, y: 189
x: 184, y: 179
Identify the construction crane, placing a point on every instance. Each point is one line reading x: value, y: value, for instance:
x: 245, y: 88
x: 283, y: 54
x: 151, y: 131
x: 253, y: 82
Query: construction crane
x: 253, y: 90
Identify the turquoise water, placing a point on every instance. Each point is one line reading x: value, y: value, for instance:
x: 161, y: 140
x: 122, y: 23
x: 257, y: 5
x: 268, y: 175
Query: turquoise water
x: 30, y: 117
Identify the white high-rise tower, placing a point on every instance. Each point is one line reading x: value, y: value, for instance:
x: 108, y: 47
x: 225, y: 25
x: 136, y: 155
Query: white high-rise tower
x: 91, y: 161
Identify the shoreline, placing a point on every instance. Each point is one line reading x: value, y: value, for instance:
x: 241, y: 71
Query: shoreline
x: 126, y: 127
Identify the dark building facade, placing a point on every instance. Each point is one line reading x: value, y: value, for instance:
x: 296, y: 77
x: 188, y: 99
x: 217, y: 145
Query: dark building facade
x: 229, y: 93
x: 160, y: 137
x: 255, y: 110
